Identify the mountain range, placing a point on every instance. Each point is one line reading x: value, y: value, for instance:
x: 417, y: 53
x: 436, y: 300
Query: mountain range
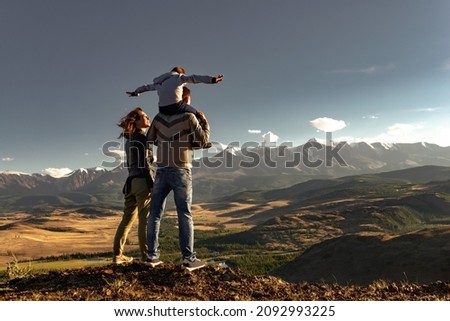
x: 313, y: 158
x: 229, y: 171
x: 82, y: 186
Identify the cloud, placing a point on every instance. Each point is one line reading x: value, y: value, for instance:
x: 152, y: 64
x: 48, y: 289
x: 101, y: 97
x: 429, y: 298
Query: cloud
x: 366, y: 71
x: 397, y: 133
x: 56, y: 172
x: 406, y: 133
x: 441, y: 136
x: 328, y: 124
x: 399, y: 130
x: 119, y: 152
x: 254, y: 131
x: 427, y: 109
x: 270, y: 138
x: 7, y: 159
x: 123, y: 156
x: 370, y: 117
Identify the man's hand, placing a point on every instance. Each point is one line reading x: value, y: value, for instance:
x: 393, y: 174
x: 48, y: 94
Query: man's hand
x: 132, y: 94
x: 217, y: 79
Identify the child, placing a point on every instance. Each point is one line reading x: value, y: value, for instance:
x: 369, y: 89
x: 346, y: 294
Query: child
x: 170, y: 90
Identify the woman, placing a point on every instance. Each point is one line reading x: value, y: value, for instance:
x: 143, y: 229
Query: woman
x: 138, y: 186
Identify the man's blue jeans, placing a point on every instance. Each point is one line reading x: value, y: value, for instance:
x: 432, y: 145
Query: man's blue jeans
x: 180, y: 181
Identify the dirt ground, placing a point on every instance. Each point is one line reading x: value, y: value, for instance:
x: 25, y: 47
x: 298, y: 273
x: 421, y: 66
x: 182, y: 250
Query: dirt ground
x: 168, y: 282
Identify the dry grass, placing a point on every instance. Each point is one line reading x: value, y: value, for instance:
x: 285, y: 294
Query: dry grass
x: 56, y: 235
x: 64, y: 233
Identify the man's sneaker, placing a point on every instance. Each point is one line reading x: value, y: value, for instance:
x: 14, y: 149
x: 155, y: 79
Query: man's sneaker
x: 122, y: 259
x: 194, y: 264
x: 152, y: 262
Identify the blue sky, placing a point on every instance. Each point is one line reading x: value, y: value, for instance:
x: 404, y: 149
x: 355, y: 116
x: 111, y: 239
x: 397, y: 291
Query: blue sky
x: 372, y: 70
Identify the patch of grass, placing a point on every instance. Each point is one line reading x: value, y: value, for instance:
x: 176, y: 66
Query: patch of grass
x: 75, y: 256
x: 399, y: 219
x: 14, y: 270
x: 17, y: 269
x: 259, y: 264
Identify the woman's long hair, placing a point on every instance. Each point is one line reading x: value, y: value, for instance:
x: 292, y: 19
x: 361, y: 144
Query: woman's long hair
x: 127, y: 123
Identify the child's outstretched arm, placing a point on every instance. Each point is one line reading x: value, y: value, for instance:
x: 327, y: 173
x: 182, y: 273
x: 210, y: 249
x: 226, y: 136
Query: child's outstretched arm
x: 141, y: 90
x: 196, y: 79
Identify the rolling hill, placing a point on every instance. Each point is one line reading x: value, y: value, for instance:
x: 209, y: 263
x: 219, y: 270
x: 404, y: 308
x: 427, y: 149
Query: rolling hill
x: 419, y: 257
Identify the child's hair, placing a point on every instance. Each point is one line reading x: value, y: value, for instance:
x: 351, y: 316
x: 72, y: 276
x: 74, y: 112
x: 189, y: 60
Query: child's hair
x: 179, y: 70
x: 127, y: 123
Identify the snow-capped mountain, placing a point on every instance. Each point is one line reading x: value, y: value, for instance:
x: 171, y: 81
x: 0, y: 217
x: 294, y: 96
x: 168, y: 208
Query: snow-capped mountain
x: 314, y: 158
x: 231, y: 170
x: 13, y: 183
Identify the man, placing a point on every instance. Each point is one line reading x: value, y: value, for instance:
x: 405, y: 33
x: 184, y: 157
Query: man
x: 174, y: 136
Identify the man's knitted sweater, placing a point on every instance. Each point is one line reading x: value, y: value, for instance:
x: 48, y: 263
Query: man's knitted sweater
x: 174, y: 134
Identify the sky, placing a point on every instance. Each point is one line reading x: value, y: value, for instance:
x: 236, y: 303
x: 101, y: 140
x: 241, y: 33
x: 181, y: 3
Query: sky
x: 364, y: 70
